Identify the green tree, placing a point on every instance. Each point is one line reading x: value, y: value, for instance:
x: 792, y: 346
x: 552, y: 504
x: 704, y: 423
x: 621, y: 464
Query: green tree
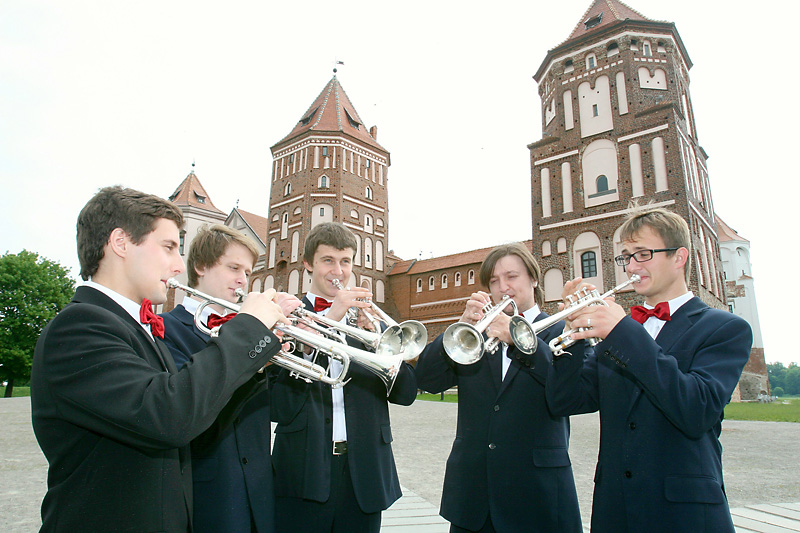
x: 792, y: 385
x: 32, y: 291
x: 777, y: 375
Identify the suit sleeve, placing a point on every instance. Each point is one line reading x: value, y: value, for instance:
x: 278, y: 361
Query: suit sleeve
x: 100, y: 382
x: 572, y: 386
x: 435, y: 370
x: 692, y: 400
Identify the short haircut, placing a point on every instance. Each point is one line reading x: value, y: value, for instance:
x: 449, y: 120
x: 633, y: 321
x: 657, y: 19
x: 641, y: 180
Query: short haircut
x: 525, y: 255
x: 118, y: 207
x: 331, y: 234
x: 210, y: 244
x: 671, y: 227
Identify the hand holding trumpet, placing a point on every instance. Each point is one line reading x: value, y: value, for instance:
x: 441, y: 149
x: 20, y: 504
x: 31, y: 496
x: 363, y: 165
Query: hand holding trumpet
x: 593, y: 321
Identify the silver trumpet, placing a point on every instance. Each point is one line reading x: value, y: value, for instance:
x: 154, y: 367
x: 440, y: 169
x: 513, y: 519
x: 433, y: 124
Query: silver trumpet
x: 579, y: 300
x: 464, y: 342
x: 407, y: 338
x: 297, y: 366
x: 385, y: 365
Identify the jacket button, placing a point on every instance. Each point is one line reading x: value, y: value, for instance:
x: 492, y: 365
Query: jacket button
x: 633, y: 425
x: 262, y: 343
x: 244, y: 460
x: 327, y: 420
x: 252, y: 354
x: 492, y: 446
x: 267, y: 339
x: 496, y: 407
x: 628, y: 474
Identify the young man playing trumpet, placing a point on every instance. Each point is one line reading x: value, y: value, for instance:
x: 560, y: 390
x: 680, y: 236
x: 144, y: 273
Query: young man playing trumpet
x: 231, y: 464
x: 509, y: 469
x: 112, y: 414
x: 661, y: 380
x: 334, y: 468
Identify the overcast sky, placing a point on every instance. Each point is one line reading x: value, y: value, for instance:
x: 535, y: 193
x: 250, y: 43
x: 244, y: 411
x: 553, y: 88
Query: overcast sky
x: 94, y: 93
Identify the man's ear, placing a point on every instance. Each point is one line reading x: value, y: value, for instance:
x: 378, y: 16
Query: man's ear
x: 308, y: 267
x: 118, y: 242
x: 681, y: 256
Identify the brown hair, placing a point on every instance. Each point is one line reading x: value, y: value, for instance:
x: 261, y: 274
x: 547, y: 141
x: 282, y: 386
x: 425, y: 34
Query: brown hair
x: 210, y: 244
x: 331, y: 234
x: 671, y: 227
x: 135, y: 212
x: 525, y: 255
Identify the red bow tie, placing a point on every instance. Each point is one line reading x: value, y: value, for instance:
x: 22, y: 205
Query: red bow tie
x: 215, y: 320
x: 640, y: 313
x: 320, y: 304
x: 147, y: 316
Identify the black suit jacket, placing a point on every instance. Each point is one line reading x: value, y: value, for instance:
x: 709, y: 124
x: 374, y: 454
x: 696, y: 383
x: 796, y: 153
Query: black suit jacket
x: 661, y: 405
x: 303, y: 437
x: 114, y: 417
x: 510, y: 457
x: 231, y: 464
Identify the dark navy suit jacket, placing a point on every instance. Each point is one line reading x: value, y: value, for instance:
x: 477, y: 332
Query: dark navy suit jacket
x: 231, y: 464
x: 114, y: 416
x: 661, y: 406
x: 510, y: 457
x: 303, y: 437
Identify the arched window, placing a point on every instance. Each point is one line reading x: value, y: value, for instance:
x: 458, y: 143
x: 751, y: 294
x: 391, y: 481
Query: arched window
x: 368, y: 193
x: 602, y: 183
x: 471, y: 277
x: 458, y: 279
x: 431, y: 284
x: 285, y: 225
x: 419, y: 285
x: 588, y: 265
x: 646, y: 50
x: 324, y: 182
x: 368, y: 223
x: 287, y: 190
x: 368, y: 252
x: 444, y: 281
x: 591, y: 61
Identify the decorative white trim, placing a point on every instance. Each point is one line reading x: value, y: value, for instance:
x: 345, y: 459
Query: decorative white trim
x: 323, y: 195
x: 642, y: 133
x: 362, y: 203
x: 290, y: 200
x: 601, y: 216
x: 555, y: 157
x: 417, y: 306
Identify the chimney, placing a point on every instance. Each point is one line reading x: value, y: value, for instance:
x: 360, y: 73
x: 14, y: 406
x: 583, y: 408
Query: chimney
x: 373, y: 131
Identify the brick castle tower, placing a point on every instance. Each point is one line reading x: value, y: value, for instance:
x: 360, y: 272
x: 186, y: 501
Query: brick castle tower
x: 617, y: 126
x: 329, y: 168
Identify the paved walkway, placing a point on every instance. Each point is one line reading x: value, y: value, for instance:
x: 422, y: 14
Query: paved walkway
x: 760, y: 464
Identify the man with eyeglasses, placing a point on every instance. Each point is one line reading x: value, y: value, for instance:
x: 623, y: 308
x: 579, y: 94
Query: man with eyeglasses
x: 660, y: 379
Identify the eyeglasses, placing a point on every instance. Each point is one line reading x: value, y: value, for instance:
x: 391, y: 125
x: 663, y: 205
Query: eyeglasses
x: 641, y: 256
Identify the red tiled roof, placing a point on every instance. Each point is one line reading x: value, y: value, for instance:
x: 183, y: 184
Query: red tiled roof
x: 332, y: 111
x: 192, y: 193
x: 726, y: 233
x: 259, y: 224
x: 610, y: 11
x: 414, y: 266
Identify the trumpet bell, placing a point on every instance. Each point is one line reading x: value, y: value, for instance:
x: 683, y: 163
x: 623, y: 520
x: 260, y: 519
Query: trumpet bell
x: 463, y: 343
x: 523, y: 335
x: 415, y: 338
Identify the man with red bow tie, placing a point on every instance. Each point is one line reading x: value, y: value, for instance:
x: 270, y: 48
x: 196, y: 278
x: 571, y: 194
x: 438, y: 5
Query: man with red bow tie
x: 334, y: 468
x: 111, y: 412
x: 660, y: 380
x: 231, y: 464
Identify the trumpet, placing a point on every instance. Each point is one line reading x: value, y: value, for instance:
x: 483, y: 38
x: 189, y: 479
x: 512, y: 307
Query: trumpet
x: 578, y: 301
x: 408, y: 338
x: 298, y: 367
x: 464, y: 342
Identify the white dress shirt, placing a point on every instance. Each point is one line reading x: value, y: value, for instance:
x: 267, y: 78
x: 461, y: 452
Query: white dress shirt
x: 529, y: 316
x: 653, y: 325
x: 126, y: 303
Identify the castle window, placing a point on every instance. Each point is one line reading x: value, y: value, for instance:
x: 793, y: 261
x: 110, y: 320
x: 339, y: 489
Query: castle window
x: 592, y: 22
x: 458, y: 279
x: 369, y: 163
x: 324, y: 151
x: 368, y: 193
x: 322, y: 211
x: 591, y: 61
x: 431, y: 284
x: 287, y: 190
x: 646, y: 51
x: 419, y: 285
x: 353, y: 213
x: 471, y: 277
x: 568, y: 66
x: 602, y: 183
x: 183, y: 242
x: 291, y: 158
x: 594, y: 110
x: 324, y: 182
x: 613, y: 49
x: 305, y: 120
x: 200, y: 198
x: 444, y: 281
x: 353, y: 122
x: 588, y: 265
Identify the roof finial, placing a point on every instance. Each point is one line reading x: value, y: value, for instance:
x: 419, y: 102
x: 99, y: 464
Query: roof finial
x: 192, y: 165
x: 337, y: 62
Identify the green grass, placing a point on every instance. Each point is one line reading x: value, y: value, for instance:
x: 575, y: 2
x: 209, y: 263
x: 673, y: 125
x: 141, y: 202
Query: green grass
x: 777, y: 411
x: 448, y: 398
x: 16, y: 393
